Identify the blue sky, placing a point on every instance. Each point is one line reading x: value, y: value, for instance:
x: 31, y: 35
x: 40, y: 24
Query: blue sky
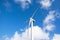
x: 13, y: 15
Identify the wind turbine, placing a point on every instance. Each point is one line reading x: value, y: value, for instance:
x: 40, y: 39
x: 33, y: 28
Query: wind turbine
x: 31, y: 21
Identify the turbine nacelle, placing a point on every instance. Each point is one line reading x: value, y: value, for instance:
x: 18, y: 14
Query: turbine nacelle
x: 32, y: 20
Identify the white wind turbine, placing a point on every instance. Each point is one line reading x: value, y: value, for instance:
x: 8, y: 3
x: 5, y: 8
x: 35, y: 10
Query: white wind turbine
x: 31, y: 22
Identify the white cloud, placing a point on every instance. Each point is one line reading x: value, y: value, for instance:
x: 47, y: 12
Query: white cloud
x: 48, y: 22
x: 16, y: 36
x: 24, y: 3
x: 56, y: 37
x: 46, y: 3
x: 50, y: 17
x: 38, y: 34
x: 50, y: 27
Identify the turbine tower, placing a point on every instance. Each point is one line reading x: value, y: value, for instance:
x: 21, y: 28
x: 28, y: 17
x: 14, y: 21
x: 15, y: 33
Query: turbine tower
x: 31, y: 25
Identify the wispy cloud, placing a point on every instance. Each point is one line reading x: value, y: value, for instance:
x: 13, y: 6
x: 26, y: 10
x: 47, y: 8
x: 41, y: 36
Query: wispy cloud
x: 48, y: 22
x: 24, y: 3
x: 46, y: 3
